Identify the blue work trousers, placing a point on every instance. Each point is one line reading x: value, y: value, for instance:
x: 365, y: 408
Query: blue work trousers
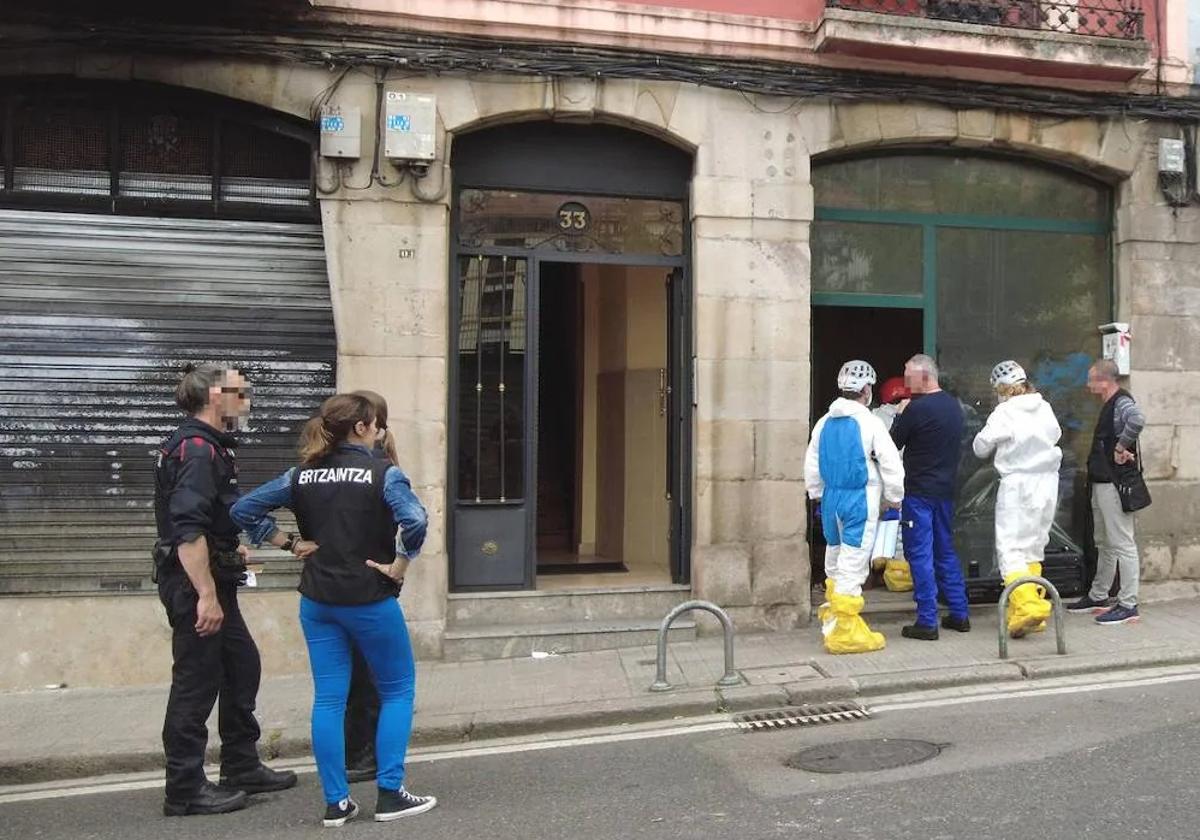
x: 929, y: 549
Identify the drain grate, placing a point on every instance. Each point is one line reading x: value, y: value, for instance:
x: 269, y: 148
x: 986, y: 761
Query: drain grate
x: 808, y: 715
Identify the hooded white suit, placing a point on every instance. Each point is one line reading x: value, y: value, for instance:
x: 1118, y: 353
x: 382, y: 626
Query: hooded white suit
x: 1023, y: 433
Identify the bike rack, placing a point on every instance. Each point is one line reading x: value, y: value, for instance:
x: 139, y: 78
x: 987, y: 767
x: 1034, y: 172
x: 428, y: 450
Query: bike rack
x: 660, y: 678
x: 1060, y: 628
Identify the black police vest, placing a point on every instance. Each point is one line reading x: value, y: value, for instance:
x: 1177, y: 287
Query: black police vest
x: 339, y: 505
x: 1104, y: 441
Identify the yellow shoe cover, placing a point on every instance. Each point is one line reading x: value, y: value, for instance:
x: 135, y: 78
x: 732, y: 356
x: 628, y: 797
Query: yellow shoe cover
x: 824, y: 611
x: 1027, y: 609
x: 1036, y: 570
x: 897, y: 576
x: 847, y: 632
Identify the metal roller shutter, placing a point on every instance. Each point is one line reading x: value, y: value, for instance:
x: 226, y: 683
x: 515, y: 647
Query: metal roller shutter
x: 98, y: 314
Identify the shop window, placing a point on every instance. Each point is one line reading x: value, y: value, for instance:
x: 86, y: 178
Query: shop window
x: 133, y: 149
x: 1005, y: 259
x: 866, y: 258
x: 61, y: 147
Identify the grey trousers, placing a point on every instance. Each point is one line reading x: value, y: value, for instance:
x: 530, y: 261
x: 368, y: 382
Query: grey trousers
x: 1116, y: 545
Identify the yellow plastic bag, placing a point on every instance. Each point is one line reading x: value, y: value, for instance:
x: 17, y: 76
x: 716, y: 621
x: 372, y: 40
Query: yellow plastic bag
x: 897, y: 576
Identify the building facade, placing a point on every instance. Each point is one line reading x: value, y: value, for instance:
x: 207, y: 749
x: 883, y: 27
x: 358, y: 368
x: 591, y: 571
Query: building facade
x: 605, y: 312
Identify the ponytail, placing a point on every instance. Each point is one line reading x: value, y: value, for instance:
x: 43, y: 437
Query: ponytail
x: 315, y: 441
x: 389, y: 448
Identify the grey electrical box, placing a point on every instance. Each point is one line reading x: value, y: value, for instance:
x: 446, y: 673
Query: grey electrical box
x: 341, y: 132
x: 410, y: 127
x: 1171, y: 156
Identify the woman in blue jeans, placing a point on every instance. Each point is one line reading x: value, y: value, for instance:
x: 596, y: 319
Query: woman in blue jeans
x: 350, y: 503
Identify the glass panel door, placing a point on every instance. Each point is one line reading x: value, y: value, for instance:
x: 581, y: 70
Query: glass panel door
x: 490, y: 409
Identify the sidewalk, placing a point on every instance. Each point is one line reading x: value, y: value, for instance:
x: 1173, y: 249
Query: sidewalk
x: 57, y: 734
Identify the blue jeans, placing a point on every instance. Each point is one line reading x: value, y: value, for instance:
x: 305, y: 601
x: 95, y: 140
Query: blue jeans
x: 929, y: 549
x: 378, y: 630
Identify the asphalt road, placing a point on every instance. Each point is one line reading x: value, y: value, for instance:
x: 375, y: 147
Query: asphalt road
x: 1115, y: 763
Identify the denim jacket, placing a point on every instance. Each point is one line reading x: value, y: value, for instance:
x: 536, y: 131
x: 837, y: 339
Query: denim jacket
x: 251, y: 512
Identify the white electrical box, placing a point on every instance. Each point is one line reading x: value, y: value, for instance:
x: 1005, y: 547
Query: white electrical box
x: 1171, y: 156
x: 1115, y: 345
x: 410, y: 127
x: 341, y: 132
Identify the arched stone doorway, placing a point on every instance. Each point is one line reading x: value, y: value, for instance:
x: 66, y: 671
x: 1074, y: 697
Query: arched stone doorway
x: 570, y: 368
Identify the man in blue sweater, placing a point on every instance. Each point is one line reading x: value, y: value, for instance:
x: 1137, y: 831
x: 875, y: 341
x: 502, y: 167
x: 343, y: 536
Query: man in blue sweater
x: 929, y: 431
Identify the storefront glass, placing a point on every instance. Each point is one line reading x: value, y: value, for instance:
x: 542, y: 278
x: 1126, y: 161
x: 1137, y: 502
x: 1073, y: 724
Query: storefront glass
x: 1013, y: 261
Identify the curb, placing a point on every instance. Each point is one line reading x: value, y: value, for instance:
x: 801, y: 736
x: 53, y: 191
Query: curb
x: 448, y: 730
x: 430, y: 731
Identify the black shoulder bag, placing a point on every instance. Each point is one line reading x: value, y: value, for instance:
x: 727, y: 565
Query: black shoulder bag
x: 1130, y: 484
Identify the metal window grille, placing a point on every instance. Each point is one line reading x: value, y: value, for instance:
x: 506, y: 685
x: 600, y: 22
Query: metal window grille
x: 1124, y: 19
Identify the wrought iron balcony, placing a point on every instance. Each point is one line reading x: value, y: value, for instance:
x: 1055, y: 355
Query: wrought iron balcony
x: 1122, y: 19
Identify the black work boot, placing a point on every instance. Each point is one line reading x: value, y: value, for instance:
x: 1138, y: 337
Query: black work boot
x: 261, y: 779
x: 210, y: 799
x: 919, y: 631
x: 362, y: 769
x: 962, y: 625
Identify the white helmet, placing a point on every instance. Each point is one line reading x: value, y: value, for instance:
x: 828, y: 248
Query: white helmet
x: 855, y: 375
x: 1007, y: 373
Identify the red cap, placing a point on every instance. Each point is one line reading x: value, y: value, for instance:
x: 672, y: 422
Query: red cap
x: 894, y: 390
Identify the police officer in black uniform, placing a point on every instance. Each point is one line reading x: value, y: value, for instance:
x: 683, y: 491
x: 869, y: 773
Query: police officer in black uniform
x: 199, y: 565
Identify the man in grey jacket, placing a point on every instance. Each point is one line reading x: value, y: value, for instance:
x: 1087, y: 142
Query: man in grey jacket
x: 1115, y: 442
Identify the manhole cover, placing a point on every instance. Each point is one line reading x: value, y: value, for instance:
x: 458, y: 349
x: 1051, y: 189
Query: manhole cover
x: 863, y: 756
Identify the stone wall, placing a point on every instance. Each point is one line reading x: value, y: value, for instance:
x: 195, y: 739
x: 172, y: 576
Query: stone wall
x: 752, y: 205
x: 1159, y: 280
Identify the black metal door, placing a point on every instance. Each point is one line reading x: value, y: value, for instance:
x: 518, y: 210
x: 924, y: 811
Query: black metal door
x: 679, y: 430
x: 492, y: 411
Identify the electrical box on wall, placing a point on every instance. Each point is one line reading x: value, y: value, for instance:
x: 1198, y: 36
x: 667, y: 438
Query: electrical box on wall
x: 341, y: 132
x: 1172, y: 156
x: 1115, y: 345
x: 410, y: 127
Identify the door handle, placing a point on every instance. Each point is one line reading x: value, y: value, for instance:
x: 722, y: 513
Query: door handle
x: 664, y: 390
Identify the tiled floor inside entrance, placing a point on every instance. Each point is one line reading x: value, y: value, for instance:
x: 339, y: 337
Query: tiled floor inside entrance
x: 607, y: 580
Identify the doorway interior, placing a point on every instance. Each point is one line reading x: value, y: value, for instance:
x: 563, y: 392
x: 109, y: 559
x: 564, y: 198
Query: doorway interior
x: 603, y: 444
x: 887, y: 337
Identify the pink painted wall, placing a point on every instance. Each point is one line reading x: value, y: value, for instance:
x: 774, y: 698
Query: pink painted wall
x: 785, y: 9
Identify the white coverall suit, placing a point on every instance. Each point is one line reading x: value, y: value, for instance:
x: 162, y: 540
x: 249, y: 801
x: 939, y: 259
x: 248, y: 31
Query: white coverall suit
x: 1023, y: 433
x: 849, y: 472
x: 886, y: 414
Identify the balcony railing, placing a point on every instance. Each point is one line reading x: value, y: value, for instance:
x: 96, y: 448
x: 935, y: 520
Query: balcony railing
x: 1100, y: 18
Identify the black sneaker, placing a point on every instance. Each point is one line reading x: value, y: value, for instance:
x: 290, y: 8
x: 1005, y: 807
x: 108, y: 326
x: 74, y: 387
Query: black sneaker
x: 1087, y: 605
x: 210, y: 799
x: 961, y: 625
x: 919, y: 631
x: 394, y: 804
x: 261, y: 779
x: 338, y: 815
